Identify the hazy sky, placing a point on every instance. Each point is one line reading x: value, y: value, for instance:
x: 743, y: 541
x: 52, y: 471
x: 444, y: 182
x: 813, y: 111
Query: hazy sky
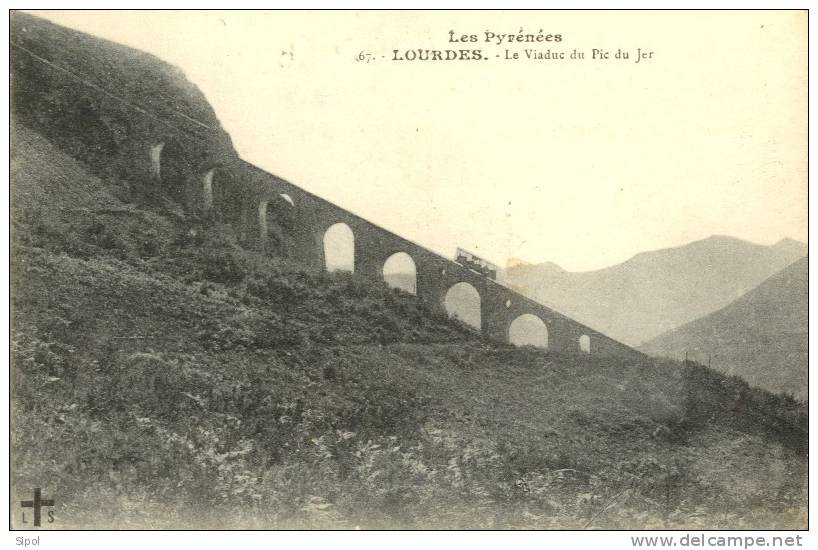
x: 583, y: 163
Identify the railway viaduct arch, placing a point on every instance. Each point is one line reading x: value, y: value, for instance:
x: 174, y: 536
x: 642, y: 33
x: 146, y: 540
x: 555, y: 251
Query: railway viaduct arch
x: 309, y: 217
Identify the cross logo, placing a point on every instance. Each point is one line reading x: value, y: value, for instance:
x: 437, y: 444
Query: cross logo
x: 37, y: 504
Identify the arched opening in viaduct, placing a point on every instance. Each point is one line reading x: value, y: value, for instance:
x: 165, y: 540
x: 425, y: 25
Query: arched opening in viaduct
x: 276, y: 219
x: 102, y: 133
x: 399, y: 271
x: 339, y: 248
x: 170, y: 167
x: 207, y: 190
x: 156, y: 160
x: 585, y: 343
x: 219, y: 196
x: 462, y: 301
x: 528, y: 330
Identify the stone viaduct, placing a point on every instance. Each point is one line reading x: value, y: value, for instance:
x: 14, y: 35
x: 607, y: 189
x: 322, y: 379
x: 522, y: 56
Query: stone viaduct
x: 195, y: 163
x: 306, y: 218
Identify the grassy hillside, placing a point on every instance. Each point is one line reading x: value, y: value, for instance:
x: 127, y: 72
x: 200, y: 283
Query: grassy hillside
x: 164, y: 377
x: 657, y: 291
x: 134, y: 76
x: 761, y: 337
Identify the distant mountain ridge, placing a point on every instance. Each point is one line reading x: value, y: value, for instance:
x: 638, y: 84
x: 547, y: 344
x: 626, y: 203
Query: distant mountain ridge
x: 656, y: 291
x: 761, y: 336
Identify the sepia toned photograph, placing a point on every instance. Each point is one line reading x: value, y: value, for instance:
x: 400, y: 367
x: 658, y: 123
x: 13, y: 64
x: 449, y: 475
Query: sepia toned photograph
x: 409, y: 270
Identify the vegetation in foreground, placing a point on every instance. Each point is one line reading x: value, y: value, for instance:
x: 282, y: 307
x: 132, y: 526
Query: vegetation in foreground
x: 163, y: 377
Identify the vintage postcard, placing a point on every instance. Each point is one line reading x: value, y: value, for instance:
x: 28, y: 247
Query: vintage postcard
x: 414, y: 270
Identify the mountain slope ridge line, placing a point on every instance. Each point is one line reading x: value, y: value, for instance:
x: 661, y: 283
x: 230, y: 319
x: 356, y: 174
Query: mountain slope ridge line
x: 125, y: 102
